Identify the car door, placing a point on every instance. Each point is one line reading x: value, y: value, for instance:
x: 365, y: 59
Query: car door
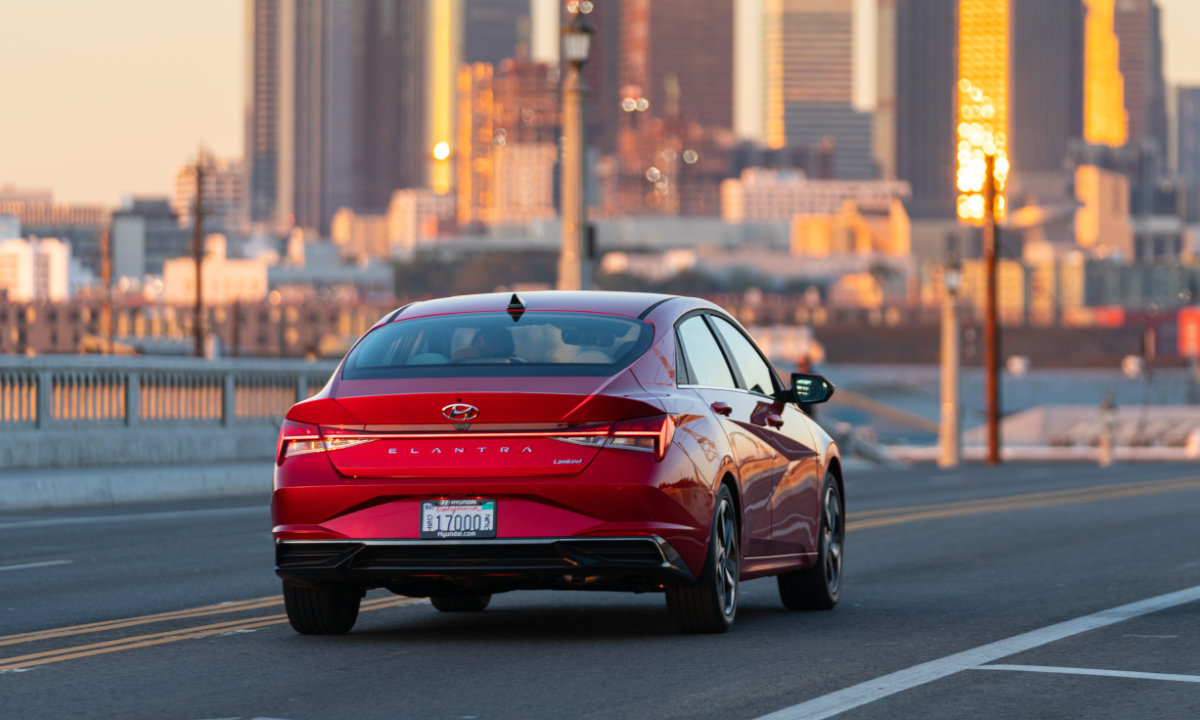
x: 707, y: 372
x: 783, y: 428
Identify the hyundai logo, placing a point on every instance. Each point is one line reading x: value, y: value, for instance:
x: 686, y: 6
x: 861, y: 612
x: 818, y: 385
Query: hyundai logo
x: 461, y: 412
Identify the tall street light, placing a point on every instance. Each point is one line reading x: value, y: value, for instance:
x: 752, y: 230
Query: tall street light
x: 574, y: 271
x: 949, y: 435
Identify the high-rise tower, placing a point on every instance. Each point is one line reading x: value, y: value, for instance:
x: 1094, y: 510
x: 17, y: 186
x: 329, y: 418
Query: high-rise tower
x: 1105, y: 119
x: 261, y: 87
x: 347, y: 113
x: 983, y: 102
x: 683, y: 44
x: 923, y: 72
x: 1047, y: 85
x: 809, y: 51
x: 1136, y: 23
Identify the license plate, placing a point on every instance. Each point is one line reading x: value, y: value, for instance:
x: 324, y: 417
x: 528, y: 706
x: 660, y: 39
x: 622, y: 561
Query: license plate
x: 441, y: 519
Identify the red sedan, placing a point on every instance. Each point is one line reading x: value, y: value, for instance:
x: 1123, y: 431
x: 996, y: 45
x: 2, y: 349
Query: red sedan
x: 566, y: 440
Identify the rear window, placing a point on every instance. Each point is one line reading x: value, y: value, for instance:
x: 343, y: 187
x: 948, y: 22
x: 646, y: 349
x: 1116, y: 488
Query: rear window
x: 482, y: 344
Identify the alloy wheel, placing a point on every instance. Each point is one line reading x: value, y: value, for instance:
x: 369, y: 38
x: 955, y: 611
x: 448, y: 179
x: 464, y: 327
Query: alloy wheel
x: 832, y: 540
x: 727, y: 558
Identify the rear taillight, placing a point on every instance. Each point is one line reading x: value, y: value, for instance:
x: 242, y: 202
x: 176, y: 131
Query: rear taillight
x: 651, y: 435
x: 297, y: 438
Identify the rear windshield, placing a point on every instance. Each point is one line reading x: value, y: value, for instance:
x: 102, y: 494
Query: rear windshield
x: 482, y: 344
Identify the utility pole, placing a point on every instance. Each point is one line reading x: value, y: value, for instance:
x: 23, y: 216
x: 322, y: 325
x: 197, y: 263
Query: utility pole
x: 106, y: 311
x: 991, y: 344
x: 198, y: 255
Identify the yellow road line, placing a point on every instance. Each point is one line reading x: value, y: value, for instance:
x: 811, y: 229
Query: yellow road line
x: 221, y: 608
x: 139, y: 641
x: 895, y: 516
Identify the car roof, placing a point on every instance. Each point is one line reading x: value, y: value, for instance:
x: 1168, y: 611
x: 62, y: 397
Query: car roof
x: 629, y: 304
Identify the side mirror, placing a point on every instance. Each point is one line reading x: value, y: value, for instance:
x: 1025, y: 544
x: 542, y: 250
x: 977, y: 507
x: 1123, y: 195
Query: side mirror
x: 811, y: 389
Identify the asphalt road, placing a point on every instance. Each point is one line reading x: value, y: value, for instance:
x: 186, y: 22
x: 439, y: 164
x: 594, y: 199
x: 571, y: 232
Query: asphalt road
x: 1053, y: 591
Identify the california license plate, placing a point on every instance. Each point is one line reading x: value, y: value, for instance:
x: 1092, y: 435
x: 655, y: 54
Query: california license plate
x: 441, y: 519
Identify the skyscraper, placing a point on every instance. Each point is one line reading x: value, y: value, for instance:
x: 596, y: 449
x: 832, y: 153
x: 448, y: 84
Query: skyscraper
x: 684, y: 44
x: 335, y: 106
x: 1188, y: 122
x: 493, y: 28
x: 984, y: 36
x: 261, y: 89
x: 1105, y: 121
x: 925, y: 67
x: 1046, y: 60
x: 809, y: 46
x: 1136, y: 23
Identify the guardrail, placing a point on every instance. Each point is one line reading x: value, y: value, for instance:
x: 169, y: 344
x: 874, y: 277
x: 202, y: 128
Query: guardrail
x: 88, y: 411
x: 101, y: 391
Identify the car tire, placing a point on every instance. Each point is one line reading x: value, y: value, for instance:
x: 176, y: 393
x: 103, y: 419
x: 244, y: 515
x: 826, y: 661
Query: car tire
x: 321, y: 609
x: 710, y: 605
x: 820, y: 586
x: 461, y: 603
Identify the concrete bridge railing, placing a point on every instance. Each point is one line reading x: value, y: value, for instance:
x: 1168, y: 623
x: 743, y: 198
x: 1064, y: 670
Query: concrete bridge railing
x: 87, y: 411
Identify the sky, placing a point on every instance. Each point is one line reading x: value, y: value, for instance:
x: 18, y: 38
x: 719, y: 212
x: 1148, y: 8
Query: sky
x: 106, y: 98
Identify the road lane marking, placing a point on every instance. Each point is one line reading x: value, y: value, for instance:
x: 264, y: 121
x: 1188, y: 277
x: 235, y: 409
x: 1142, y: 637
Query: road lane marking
x: 863, y: 520
x: 26, y: 566
x: 31, y: 660
x: 101, y: 519
x: 104, y: 625
x: 1092, y: 671
x: 917, y: 675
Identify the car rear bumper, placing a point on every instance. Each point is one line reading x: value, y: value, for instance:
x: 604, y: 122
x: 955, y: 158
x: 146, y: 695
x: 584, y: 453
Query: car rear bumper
x: 431, y: 567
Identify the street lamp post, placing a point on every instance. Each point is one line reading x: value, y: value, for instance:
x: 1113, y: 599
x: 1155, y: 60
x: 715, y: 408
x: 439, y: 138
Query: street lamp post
x: 991, y: 339
x: 574, y: 271
x: 949, y: 435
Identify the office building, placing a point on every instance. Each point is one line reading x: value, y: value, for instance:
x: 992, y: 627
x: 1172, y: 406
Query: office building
x: 34, y: 270
x: 1188, y: 122
x: 492, y: 29
x: 224, y: 195
x: 766, y: 195
x: 678, y: 46
x: 925, y: 71
x: 1047, y: 84
x: 1105, y: 119
x: 261, y: 88
x: 809, y: 51
x: 336, y: 106
x: 1137, y: 26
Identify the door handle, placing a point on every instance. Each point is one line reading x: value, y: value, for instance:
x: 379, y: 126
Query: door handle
x: 774, y: 420
x: 721, y: 408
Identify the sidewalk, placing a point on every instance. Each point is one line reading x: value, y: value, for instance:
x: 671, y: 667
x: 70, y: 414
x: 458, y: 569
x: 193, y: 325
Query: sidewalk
x: 59, y: 488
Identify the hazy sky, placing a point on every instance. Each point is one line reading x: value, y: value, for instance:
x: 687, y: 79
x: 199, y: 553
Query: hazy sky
x: 104, y: 98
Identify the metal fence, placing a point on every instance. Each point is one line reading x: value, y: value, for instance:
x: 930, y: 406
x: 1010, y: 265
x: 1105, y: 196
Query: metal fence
x: 103, y: 391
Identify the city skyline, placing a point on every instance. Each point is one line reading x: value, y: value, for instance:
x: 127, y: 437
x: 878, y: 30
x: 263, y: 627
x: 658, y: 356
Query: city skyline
x: 96, y: 121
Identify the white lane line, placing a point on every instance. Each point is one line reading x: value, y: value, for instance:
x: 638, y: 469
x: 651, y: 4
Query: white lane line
x: 881, y: 687
x: 26, y: 566
x: 99, y: 519
x: 1091, y: 671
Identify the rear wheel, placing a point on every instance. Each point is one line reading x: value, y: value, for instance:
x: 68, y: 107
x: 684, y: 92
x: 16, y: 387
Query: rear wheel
x: 820, y: 586
x: 323, y: 609
x: 460, y: 603
x: 710, y: 605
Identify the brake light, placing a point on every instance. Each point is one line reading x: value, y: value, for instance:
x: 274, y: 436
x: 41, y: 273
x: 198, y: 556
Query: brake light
x: 651, y: 435
x: 297, y: 438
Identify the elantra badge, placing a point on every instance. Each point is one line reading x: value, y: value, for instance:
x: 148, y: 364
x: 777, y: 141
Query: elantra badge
x: 460, y: 412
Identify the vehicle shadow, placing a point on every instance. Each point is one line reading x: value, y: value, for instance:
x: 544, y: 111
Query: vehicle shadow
x: 545, y: 621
